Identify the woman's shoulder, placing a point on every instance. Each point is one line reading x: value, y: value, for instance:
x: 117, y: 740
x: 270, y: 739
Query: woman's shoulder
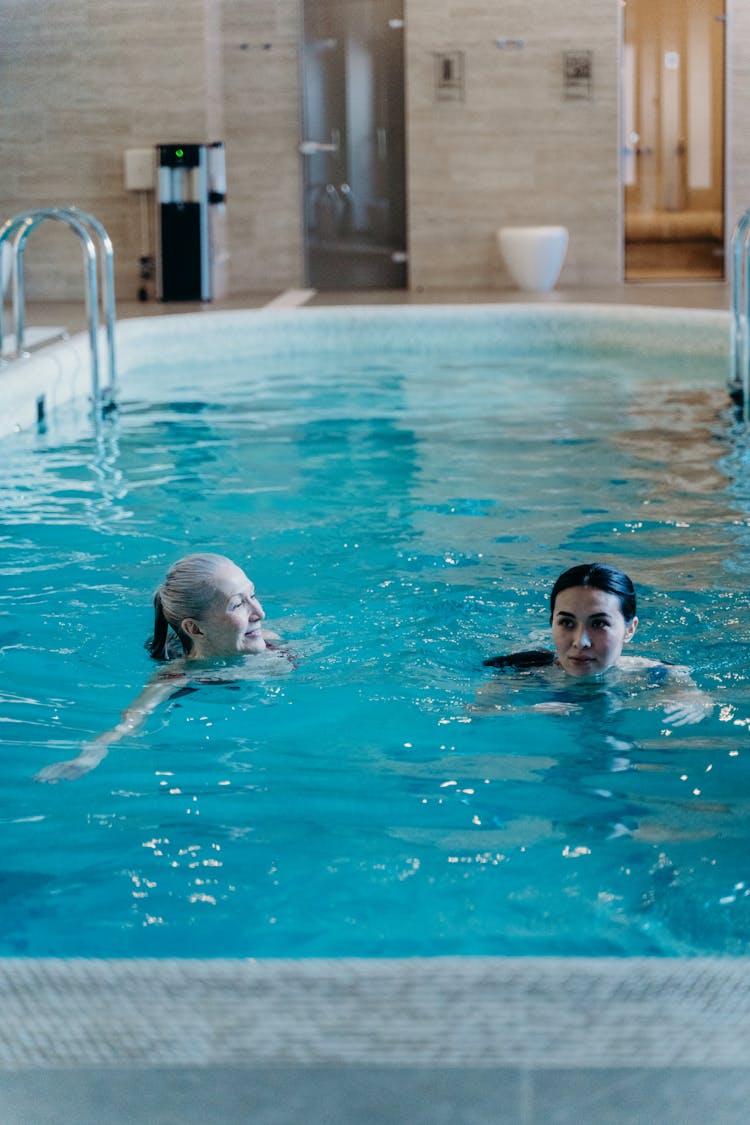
x: 170, y: 674
x: 639, y: 663
x: 657, y: 671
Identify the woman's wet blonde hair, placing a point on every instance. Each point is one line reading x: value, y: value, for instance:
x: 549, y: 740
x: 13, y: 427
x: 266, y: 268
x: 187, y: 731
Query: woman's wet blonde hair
x: 187, y: 591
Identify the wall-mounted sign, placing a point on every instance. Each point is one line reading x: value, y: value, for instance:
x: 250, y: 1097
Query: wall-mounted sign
x: 578, y: 73
x: 449, y: 76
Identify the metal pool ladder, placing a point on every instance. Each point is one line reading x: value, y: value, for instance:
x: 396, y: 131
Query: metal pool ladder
x: 739, y: 383
x: 16, y: 232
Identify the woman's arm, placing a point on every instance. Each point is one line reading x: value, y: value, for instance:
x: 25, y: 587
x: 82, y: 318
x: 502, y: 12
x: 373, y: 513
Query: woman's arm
x: 497, y: 695
x: 684, y: 703
x: 133, y: 717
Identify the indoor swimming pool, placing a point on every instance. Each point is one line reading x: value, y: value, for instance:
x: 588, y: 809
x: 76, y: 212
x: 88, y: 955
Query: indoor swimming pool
x: 403, y: 486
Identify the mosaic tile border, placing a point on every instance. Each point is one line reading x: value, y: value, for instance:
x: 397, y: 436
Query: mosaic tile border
x: 444, y: 1012
x: 61, y: 372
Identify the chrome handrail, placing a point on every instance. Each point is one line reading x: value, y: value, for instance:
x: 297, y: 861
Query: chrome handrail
x: 740, y: 359
x: 18, y: 230
x: 108, y: 288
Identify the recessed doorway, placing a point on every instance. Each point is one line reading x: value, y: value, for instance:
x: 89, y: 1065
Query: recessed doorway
x: 353, y: 144
x: 673, y: 139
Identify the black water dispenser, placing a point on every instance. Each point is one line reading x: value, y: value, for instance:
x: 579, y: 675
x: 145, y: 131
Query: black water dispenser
x: 189, y: 188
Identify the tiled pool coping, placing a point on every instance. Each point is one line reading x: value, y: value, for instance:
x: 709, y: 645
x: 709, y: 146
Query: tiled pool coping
x: 446, y: 1012
x: 61, y: 372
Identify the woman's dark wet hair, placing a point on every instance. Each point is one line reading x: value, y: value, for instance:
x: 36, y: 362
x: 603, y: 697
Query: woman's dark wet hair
x: 600, y: 577
x: 529, y: 658
x: 187, y: 591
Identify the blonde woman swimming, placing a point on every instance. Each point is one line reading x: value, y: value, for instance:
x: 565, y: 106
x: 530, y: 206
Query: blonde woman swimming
x: 206, y: 609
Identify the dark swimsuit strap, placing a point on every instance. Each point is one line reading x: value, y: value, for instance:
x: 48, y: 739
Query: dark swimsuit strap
x: 529, y: 658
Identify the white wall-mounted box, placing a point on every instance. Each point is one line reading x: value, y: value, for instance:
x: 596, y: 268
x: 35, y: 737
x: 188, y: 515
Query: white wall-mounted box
x: 140, y: 169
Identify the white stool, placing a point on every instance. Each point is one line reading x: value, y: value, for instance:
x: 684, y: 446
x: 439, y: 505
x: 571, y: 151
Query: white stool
x: 534, y: 256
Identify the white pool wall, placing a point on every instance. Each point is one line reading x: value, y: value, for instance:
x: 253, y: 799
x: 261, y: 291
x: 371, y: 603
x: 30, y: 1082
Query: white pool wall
x: 61, y: 373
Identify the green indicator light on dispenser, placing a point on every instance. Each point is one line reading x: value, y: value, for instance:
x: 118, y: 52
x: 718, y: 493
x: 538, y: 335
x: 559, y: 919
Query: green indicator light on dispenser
x: 179, y: 153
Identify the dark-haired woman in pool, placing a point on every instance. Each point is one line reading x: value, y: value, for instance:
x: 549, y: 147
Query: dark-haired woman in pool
x: 593, y: 617
x: 205, y: 610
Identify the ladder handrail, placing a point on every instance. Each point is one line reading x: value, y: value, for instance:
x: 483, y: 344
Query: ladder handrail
x: 108, y: 287
x: 740, y: 327
x: 29, y: 223
x: 79, y: 221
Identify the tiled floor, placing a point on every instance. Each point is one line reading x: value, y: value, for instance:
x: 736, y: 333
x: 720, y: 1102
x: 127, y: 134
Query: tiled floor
x: 377, y: 1096
x: 706, y: 295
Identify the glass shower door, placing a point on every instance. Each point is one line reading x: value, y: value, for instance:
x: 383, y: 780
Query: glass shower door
x: 352, y: 146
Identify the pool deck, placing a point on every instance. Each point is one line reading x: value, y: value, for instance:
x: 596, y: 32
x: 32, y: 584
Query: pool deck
x: 686, y: 294
x: 444, y: 1041
x: 419, y: 1041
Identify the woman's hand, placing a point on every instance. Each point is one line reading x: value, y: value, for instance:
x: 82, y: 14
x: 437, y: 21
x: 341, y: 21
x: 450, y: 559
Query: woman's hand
x: 556, y: 707
x: 684, y: 712
x: 88, y: 759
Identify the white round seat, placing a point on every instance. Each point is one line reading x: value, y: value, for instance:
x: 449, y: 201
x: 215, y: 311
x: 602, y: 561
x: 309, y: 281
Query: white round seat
x: 533, y: 256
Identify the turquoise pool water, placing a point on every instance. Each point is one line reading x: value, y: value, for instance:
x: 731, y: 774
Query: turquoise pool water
x: 403, y: 486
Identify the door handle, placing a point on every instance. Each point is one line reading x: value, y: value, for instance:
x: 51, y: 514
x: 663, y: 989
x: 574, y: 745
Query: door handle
x: 310, y: 148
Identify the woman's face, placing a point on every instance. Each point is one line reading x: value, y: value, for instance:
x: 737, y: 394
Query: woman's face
x: 232, y: 622
x: 589, y: 630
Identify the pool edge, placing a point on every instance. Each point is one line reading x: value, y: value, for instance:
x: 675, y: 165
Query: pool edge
x: 60, y: 373
x: 452, y: 1012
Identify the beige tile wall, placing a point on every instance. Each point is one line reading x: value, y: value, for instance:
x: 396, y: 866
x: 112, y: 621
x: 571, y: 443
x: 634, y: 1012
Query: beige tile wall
x: 83, y: 80
x: 514, y: 151
x: 80, y: 82
x: 262, y: 105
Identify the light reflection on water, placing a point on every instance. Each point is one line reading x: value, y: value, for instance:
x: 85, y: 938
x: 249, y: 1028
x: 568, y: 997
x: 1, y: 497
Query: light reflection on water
x: 400, y: 525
